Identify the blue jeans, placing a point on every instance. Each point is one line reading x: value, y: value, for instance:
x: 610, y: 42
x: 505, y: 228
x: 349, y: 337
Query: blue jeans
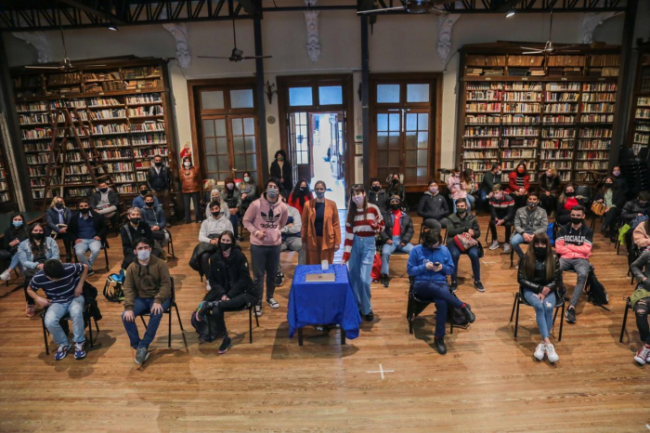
x: 360, y: 266
x: 387, y: 250
x: 473, y: 256
x: 15, y: 261
x: 85, y: 245
x: 467, y: 200
x: 543, y: 311
x: 482, y: 198
x: 143, y: 306
x: 439, y: 294
x: 516, y: 240
x: 54, y: 314
x: 234, y: 220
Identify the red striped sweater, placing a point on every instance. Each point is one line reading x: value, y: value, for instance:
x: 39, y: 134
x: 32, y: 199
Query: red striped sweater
x: 366, y: 225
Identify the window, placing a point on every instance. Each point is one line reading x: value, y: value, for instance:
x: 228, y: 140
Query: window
x: 299, y: 135
x: 330, y: 95
x: 241, y: 98
x: 300, y: 96
x: 417, y: 93
x: 388, y: 93
x: 212, y: 100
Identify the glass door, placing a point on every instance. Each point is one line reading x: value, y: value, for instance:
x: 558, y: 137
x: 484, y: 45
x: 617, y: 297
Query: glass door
x: 389, y: 143
x: 244, y: 146
x: 216, y: 164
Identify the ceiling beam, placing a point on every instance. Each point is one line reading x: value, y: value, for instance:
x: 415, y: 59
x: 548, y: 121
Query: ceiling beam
x: 90, y: 10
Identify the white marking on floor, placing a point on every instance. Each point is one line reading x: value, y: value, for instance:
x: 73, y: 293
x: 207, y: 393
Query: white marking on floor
x: 488, y: 263
x: 381, y: 371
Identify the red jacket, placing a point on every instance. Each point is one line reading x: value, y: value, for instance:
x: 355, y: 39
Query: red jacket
x: 295, y: 201
x: 512, y: 182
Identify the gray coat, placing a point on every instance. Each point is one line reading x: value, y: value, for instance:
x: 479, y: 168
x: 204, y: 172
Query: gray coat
x: 527, y: 221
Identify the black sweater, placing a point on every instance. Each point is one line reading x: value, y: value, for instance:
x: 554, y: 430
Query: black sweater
x: 129, y: 242
x: 230, y: 276
x: 539, y: 280
x: 14, y: 233
x: 433, y: 206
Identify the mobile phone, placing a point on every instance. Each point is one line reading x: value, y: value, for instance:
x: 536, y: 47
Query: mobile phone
x: 436, y: 263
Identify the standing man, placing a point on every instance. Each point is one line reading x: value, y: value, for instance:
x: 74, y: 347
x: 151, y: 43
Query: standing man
x: 159, y: 179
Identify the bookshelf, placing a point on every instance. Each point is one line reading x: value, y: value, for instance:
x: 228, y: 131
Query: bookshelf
x: 639, y: 131
x: 547, y: 111
x: 127, y: 105
x: 6, y: 192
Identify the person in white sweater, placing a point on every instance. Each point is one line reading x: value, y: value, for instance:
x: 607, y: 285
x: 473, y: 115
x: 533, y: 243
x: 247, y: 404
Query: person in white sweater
x: 211, y: 228
x: 291, y: 240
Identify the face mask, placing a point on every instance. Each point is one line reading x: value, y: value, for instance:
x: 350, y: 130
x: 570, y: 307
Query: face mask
x: 103, y: 190
x: 376, y: 188
x: 272, y: 192
x: 144, y: 255
x: 358, y: 200
x: 576, y: 221
x: 149, y: 204
x: 549, y: 174
x: 616, y: 173
x: 187, y: 164
x: 433, y: 191
x: 532, y: 205
x: 395, y: 181
x: 643, y: 203
x: 280, y: 158
x: 84, y: 210
x: 158, y: 164
x: 320, y: 194
x: 58, y: 205
x: 216, y: 214
x: 499, y: 172
x: 247, y: 179
x: 230, y: 186
x: 303, y: 189
x: 394, y: 206
x: 226, y: 247
x: 520, y: 170
x: 215, y: 198
x: 38, y: 236
x: 498, y: 196
x: 608, y: 185
x: 144, y: 192
x: 460, y: 211
x: 17, y: 223
x: 135, y: 221
x: 540, y: 253
x: 569, y: 194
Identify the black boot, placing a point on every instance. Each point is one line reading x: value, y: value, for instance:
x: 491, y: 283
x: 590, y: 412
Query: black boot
x: 385, y: 280
x: 454, y: 286
x: 469, y: 315
x: 439, y: 345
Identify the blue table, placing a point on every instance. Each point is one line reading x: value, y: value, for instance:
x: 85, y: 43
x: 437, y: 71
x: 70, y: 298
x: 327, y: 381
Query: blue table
x: 324, y: 303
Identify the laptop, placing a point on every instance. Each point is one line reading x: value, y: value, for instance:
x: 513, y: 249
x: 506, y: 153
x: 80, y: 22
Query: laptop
x: 320, y: 278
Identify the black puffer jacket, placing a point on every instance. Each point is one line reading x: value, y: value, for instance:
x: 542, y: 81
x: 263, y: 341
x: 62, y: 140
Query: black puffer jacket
x: 539, y: 280
x: 433, y: 206
x: 632, y: 209
x: 230, y: 276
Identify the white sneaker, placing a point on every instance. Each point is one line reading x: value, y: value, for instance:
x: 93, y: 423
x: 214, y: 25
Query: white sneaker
x: 273, y: 303
x: 642, y: 355
x: 258, y: 310
x: 495, y: 245
x: 506, y: 248
x: 6, y: 275
x: 539, y: 352
x: 207, y: 286
x: 550, y: 352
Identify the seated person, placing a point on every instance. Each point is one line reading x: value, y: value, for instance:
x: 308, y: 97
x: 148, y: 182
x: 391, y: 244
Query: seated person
x: 429, y: 264
x: 211, y: 228
x: 88, y: 232
x: 567, y: 201
x: 396, y: 188
x: 573, y: 245
x: 519, y: 185
x: 433, y: 207
x: 57, y: 218
x: 147, y: 289
x: 538, y: 278
x: 63, y: 287
x: 139, y: 200
x: 378, y: 196
x: 490, y: 180
x: 232, y: 197
x: 155, y: 217
x: 502, y: 211
x: 641, y: 235
x: 291, y: 239
x: 529, y: 220
x: 549, y: 190
x: 131, y: 232
x: 13, y: 236
x: 248, y: 189
x: 613, y: 200
x: 215, y: 195
x: 640, y: 302
x: 32, y: 253
x: 463, y: 223
x: 457, y: 187
x: 105, y: 201
x: 232, y: 287
x: 397, y: 236
x: 632, y: 210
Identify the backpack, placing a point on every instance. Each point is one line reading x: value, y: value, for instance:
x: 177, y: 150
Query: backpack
x: 550, y: 232
x: 638, y: 220
x: 455, y: 316
x: 596, y: 293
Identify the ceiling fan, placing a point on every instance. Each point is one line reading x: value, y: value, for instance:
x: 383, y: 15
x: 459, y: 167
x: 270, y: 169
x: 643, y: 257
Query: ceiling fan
x: 66, y: 64
x: 549, y: 48
x: 236, y: 55
x: 413, y: 7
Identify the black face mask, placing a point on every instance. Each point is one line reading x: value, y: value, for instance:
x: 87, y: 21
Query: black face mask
x: 394, y: 206
x: 461, y: 211
x: 569, y: 194
x: 135, y: 221
x: 226, y: 247
x: 144, y: 192
x: 149, y: 204
x: 158, y: 164
x: 58, y: 205
x: 576, y: 221
x: 643, y: 204
x: 84, y: 211
x: 303, y: 190
x: 376, y: 188
x: 103, y: 190
x: 540, y: 253
x: 395, y: 181
x: 38, y: 236
x: 215, y: 214
x: 608, y: 185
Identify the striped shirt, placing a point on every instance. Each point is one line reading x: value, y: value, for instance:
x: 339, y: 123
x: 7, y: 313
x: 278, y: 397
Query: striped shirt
x: 520, y: 180
x: 60, y: 291
x: 365, y: 225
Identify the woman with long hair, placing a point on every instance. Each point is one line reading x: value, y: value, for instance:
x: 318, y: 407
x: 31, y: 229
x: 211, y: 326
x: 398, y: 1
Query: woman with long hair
x: 281, y: 170
x: 470, y: 186
x: 13, y: 236
x: 457, y: 188
x: 321, y: 228
x: 396, y: 187
x: 363, y: 223
x: 519, y: 184
x: 610, y: 196
x: 32, y: 253
x: 248, y: 189
x: 300, y: 195
x: 232, y: 196
x: 191, y: 187
x: 567, y: 201
x: 538, y: 279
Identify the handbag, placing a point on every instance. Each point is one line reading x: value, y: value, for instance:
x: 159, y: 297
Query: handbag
x: 598, y: 208
x: 464, y: 242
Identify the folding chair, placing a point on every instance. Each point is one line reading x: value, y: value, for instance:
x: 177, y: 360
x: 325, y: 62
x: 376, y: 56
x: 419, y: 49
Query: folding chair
x: 87, y: 324
x: 628, y: 307
x: 250, y: 308
x: 170, y: 244
x: 519, y: 299
x: 104, y: 247
x: 169, y: 312
x: 424, y: 228
x: 415, y: 306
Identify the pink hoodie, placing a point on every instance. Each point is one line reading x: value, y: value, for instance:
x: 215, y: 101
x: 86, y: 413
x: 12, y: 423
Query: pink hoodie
x: 267, y: 217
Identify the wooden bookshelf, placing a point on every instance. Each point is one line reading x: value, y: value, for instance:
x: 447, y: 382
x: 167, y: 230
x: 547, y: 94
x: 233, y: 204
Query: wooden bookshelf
x: 7, y: 201
x: 639, y: 130
x: 548, y: 111
x: 127, y: 104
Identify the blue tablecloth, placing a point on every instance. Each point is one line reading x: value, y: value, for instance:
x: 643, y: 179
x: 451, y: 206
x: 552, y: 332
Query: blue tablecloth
x: 323, y: 303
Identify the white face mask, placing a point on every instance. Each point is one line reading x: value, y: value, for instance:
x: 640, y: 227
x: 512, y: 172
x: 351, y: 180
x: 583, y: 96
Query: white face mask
x: 247, y: 179
x: 187, y: 164
x: 144, y: 255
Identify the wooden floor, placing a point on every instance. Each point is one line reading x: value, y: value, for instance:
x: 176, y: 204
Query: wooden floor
x: 486, y: 382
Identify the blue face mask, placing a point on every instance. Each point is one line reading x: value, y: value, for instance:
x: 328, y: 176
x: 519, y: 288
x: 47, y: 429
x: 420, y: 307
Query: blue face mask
x: 17, y: 223
x: 320, y: 194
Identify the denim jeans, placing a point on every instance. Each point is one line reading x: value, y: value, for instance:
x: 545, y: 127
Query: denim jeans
x: 143, y: 306
x: 387, y: 250
x: 473, y: 256
x: 54, y: 314
x: 543, y: 311
x: 582, y: 268
x: 482, y: 199
x: 85, y: 245
x: 15, y: 261
x: 467, y: 200
x: 439, y: 294
x: 360, y: 266
x: 234, y: 220
x: 516, y: 240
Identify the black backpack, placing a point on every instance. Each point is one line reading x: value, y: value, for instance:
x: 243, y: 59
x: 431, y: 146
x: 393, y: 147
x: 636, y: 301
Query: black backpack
x: 456, y: 316
x: 596, y: 293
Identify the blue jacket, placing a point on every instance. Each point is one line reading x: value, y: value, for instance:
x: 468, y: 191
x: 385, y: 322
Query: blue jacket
x: 154, y: 217
x: 139, y: 202
x: 417, y: 264
x: 26, y: 256
x: 52, y: 218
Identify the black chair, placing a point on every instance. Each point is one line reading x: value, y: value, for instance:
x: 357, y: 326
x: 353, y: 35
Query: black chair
x: 635, y: 253
x: 170, y: 244
x: 415, y: 306
x: 169, y: 312
x: 250, y: 307
x: 519, y: 299
x: 488, y: 232
x: 628, y: 307
x: 87, y: 324
x: 104, y: 247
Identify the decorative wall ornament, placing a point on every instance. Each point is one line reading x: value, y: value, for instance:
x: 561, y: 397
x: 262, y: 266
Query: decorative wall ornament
x: 183, y: 53
x: 590, y: 21
x: 39, y: 41
x: 313, y: 40
x: 270, y: 90
x: 444, y: 36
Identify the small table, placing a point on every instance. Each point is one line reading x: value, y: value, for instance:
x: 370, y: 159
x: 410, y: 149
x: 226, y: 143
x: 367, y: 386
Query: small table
x: 323, y: 303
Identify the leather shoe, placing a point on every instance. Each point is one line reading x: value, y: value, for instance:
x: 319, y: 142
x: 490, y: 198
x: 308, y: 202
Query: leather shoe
x: 439, y: 345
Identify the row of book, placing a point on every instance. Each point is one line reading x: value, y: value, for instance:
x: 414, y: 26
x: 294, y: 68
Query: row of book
x: 151, y: 152
x: 150, y: 110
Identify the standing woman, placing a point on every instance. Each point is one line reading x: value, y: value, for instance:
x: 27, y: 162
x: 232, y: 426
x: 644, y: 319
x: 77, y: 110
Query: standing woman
x: 321, y: 228
x: 519, y: 184
x: 538, y: 279
x: 32, y: 253
x: 620, y: 181
x: 281, y: 169
x: 232, y: 197
x: 611, y: 197
x: 14, y: 235
x: 364, y: 222
x: 191, y: 185
x: 549, y: 189
x: 248, y: 190
x: 300, y: 195
x: 568, y: 200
